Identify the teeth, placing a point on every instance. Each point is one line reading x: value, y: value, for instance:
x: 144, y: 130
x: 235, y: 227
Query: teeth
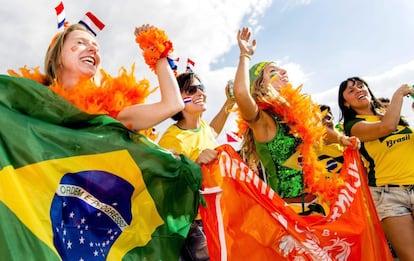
x: 89, y: 60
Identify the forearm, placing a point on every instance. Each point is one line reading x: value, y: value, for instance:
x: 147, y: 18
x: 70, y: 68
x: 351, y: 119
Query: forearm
x: 169, y: 89
x: 332, y: 136
x: 220, y: 119
x: 246, y: 104
x: 393, y: 114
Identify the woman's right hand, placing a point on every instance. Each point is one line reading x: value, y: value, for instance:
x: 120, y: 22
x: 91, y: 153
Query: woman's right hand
x: 404, y: 90
x: 243, y: 37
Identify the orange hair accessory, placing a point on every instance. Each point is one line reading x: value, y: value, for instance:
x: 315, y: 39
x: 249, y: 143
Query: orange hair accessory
x: 155, y: 45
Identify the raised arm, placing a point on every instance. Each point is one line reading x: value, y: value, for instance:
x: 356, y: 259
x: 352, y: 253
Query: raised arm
x: 246, y: 103
x: 262, y: 124
x: 220, y: 119
x: 143, y: 116
x: 367, y: 131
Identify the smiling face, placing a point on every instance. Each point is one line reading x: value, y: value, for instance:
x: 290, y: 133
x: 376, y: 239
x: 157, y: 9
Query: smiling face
x: 194, y: 97
x: 356, y: 95
x: 274, y: 75
x: 79, y: 58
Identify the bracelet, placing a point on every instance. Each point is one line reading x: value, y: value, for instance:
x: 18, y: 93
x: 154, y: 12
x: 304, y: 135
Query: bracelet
x: 227, y: 110
x: 248, y: 56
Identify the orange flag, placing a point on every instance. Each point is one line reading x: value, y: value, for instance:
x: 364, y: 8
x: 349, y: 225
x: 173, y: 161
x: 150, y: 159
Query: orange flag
x: 244, y: 219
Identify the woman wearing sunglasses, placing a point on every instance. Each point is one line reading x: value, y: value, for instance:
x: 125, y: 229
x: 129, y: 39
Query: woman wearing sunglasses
x: 196, y: 139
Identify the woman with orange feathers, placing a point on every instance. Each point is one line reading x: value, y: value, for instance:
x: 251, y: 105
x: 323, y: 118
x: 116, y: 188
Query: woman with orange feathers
x: 73, y: 59
x: 278, y: 122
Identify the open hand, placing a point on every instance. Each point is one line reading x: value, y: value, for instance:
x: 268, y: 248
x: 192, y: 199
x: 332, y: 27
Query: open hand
x: 243, y: 37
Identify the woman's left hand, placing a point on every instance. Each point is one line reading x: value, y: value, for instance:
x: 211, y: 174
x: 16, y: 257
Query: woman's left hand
x: 206, y: 156
x: 350, y: 141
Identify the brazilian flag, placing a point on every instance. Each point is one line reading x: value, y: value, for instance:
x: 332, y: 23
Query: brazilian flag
x: 75, y: 186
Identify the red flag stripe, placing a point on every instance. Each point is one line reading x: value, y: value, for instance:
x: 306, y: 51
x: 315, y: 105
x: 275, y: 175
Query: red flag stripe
x: 91, y: 22
x: 60, y: 12
x: 59, y: 8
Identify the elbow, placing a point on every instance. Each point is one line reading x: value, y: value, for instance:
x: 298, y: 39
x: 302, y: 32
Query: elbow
x: 176, y: 107
x: 238, y: 92
x: 389, y: 128
x: 180, y: 105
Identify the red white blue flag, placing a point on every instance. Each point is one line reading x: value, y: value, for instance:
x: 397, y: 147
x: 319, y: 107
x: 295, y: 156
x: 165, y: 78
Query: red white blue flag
x: 91, y: 22
x: 60, y: 13
x: 190, y: 65
x: 187, y: 99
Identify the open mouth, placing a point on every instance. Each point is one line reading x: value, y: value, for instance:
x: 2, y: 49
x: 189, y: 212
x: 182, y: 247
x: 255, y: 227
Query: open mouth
x: 89, y: 59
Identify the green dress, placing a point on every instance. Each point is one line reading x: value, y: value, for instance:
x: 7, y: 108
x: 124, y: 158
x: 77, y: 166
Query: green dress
x: 286, y: 182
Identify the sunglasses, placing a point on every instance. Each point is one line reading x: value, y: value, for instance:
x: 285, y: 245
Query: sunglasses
x: 192, y: 89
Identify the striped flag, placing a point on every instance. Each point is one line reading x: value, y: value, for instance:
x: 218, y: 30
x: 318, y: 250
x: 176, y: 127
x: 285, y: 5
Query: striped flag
x: 187, y: 99
x: 232, y: 137
x: 60, y: 13
x: 260, y: 226
x: 91, y: 22
x: 190, y: 65
x: 173, y: 64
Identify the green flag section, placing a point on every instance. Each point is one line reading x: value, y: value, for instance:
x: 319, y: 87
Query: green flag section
x: 75, y: 186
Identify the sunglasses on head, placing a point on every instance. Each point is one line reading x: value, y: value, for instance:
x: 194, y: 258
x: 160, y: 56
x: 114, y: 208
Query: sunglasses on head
x: 192, y: 89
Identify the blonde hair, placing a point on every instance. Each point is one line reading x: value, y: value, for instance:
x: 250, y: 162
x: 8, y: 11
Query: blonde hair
x: 261, y: 93
x: 53, y: 53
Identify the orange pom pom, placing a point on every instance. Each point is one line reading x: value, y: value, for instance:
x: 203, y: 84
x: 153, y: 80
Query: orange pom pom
x: 155, y: 45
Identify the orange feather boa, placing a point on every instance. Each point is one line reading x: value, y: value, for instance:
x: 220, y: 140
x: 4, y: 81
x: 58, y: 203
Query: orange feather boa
x: 304, y: 119
x: 110, y: 97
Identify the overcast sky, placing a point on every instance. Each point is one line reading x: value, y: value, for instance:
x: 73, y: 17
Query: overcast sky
x: 319, y: 42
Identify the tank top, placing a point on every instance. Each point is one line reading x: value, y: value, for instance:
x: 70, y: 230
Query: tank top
x: 285, y: 181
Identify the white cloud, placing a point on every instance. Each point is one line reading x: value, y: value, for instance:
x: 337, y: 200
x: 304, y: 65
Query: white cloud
x: 294, y: 3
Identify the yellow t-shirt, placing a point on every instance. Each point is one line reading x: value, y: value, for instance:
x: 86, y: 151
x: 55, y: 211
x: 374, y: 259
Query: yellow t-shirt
x: 189, y: 142
x: 390, y: 159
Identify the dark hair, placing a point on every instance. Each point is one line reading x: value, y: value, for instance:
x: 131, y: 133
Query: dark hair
x: 184, y: 81
x: 324, y: 107
x: 383, y: 99
x: 347, y: 113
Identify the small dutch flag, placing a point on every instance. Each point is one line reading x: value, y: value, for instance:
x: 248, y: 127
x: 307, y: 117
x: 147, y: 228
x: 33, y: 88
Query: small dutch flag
x: 190, y: 65
x: 60, y: 13
x: 187, y: 99
x: 91, y: 22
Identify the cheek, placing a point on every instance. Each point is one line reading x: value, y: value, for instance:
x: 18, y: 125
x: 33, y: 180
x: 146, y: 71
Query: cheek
x: 346, y: 100
x: 274, y: 77
x: 74, y: 48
